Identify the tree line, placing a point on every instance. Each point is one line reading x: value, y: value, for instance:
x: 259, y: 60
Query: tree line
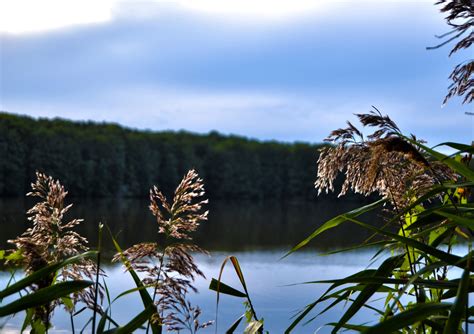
x: 108, y: 160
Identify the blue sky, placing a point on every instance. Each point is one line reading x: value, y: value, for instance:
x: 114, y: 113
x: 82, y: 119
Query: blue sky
x: 284, y: 70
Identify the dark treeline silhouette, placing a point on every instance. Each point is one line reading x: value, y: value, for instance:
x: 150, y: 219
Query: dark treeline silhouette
x: 107, y: 160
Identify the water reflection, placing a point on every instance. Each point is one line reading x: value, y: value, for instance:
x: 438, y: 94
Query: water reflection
x: 232, y: 226
x: 258, y: 233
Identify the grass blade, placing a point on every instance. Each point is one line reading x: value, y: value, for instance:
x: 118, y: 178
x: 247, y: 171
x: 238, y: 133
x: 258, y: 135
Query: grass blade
x: 234, y: 326
x: 403, y: 319
x: 457, y: 311
x: 145, y: 296
x: 43, y: 296
x: 336, y: 221
x: 458, y: 167
x: 384, y: 270
x: 30, y: 279
x: 225, y: 289
x: 135, y: 323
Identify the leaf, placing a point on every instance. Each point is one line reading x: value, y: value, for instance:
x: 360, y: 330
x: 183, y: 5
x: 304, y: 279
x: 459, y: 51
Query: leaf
x: 336, y: 221
x: 359, y: 328
x: 406, y: 318
x: 37, y: 275
x: 129, y: 291
x: 234, y: 325
x: 336, y: 283
x: 466, y: 222
x: 28, y: 317
x: 384, y: 270
x: 457, y: 311
x: 253, y: 327
x: 15, y: 256
x: 239, y: 273
x: 67, y: 301
x: 44, y: 296
x: 135, y: 323
x: 458, y: 167
x: 103, y: 319
x: 462, y: 148
x: 364, y: 245
x: 225, y: 289
x: 237, y: 269
x: 38, y: 327
x: 383, y: 280
x: 145, y: 296
x: 446, y: 257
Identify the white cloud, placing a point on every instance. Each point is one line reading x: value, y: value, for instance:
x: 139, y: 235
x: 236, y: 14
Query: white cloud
x: 31, y: 16
x: 27, y: 16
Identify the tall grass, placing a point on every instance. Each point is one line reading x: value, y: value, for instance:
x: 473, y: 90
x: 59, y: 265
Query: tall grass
x: 60, y: 270
x: 426, y: 214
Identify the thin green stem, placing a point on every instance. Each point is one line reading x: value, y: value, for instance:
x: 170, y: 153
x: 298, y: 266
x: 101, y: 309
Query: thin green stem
x: 96, y: 293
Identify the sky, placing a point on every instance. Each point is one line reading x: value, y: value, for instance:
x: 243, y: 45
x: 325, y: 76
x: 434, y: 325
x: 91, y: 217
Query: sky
x: 286, y: 70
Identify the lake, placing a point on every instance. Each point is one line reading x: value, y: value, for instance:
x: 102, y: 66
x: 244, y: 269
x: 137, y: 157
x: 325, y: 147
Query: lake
x: 259, y: 234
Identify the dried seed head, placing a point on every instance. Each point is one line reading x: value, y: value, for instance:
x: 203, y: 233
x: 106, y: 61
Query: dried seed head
x: 385, y: 163
x: 51, y: 240
x: 170, y: 268
x: 185, y: 214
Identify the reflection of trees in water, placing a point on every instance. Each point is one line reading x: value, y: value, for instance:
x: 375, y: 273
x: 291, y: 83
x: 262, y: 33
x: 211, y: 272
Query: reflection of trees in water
x: 238, y: 225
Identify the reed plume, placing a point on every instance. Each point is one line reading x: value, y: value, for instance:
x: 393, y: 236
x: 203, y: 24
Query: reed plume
x: 51, y: 240
x: 169, y: 267
x: 384, y: 163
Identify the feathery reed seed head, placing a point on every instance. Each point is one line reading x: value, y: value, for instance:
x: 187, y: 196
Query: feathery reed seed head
x: 384, y: 162
x: 51, y: 240
x: 170, y: 268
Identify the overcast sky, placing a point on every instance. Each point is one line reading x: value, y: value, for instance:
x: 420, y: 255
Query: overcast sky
x: 286, y: 70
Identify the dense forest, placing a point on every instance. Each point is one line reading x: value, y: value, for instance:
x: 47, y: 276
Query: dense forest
x: 107, y: 160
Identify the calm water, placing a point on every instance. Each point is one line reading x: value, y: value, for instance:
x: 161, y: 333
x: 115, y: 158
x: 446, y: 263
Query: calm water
x: 258, y: 234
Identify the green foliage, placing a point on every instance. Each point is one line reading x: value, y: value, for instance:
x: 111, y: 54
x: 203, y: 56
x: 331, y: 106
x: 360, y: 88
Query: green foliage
x: 417, y: 282
x: 254, y: 324
x: 106, y: 160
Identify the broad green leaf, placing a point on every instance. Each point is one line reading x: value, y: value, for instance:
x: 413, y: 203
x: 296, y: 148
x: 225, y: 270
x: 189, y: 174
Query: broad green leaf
x: 43, y: 296
x: 225, y: 289
x: 417, y: 313
x: 336, y: 221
